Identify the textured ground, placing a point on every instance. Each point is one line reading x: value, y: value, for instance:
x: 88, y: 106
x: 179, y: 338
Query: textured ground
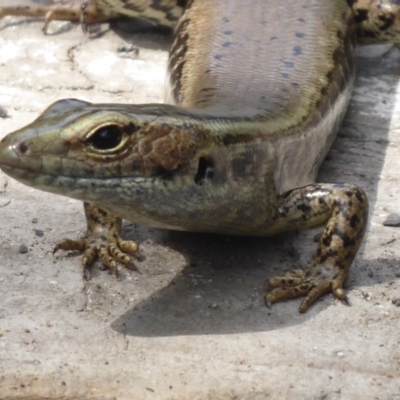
x: 192, y: 325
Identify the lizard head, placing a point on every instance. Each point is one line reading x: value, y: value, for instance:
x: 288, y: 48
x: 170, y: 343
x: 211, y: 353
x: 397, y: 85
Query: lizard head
x: 74, y: 146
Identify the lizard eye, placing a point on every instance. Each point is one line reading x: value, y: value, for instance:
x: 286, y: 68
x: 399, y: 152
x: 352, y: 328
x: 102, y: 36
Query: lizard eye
x: 105, y: 138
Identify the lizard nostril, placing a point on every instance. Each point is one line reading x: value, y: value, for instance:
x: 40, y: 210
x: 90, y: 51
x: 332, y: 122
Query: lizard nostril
x: 23, y: 148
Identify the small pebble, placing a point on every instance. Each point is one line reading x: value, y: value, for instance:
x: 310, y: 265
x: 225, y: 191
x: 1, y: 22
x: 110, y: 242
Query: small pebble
x: 392, y: 220
x: 23, y: 248
x: 366, y: 295
x: 396, y: 301
x: 39, y: 232
x: 317, y: 237
x: 292, y: 252
x: 132, y: 49
x: 3, y: 112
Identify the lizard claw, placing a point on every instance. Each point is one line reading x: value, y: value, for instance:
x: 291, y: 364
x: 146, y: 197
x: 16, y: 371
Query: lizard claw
x: 103, y: 242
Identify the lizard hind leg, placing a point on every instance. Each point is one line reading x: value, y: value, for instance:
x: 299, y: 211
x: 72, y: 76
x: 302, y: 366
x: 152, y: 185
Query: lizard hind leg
x: 344, y: 209
x: 378, y: 21
x: 102, y: 241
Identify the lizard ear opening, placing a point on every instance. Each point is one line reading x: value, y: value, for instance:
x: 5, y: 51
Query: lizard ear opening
x: 205, y: 170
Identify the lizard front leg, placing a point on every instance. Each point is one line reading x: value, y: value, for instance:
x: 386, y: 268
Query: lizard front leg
x: 344, y: 209
x: 164, y: 13
x: 102, y: 240
x: 87, y: 12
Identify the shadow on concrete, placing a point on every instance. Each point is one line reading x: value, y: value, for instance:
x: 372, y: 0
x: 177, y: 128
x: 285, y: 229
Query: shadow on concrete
x: 220, y: 290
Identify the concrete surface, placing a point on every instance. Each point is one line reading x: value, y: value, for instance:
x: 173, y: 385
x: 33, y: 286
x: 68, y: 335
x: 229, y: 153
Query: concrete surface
x: 192, y: 325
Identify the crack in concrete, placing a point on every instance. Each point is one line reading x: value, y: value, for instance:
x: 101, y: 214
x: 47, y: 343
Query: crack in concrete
x: 75, y: 67
x: 3, y: 184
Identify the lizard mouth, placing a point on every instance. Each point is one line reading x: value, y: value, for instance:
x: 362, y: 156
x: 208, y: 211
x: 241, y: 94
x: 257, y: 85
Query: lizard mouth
x: 9, y: 149
x: 10, y: 160
x: 23, y: 161
x: 17, y: 162
x: 20, y: 174
x: 7, y: 169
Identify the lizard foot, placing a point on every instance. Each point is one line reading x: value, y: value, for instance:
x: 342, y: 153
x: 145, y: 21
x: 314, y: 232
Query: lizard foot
x: 343, y: 208
x: 102, y: 241
x: 311, y: 282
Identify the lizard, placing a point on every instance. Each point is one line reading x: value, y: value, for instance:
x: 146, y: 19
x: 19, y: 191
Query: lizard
x: 238, y: 148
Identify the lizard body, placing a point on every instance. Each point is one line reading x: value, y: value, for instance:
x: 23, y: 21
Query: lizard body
x: 237, y: 151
